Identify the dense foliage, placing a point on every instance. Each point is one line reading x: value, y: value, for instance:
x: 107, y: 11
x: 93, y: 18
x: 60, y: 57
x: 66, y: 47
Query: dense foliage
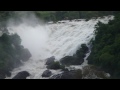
x: 68, y: 15
x: 106, y: 47
x: 11, y: 53
x: 53, y: 15
x: 4, y: 16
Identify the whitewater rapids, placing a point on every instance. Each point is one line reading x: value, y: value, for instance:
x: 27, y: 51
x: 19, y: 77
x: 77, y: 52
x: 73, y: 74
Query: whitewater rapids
x: 58, y: 39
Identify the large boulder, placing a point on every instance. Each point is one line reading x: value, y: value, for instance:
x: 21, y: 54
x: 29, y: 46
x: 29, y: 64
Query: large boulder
x: 71, y: 60
x: 21, y: 75
x: 55, y: 65
x: 47, y: 73
x: 25, y: 55
x: 73, y: 74
x: 50, y: 60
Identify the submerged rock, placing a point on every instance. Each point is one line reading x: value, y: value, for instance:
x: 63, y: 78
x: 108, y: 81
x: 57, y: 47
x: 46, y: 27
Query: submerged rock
x: 47, y: 73
x: 21, y: 75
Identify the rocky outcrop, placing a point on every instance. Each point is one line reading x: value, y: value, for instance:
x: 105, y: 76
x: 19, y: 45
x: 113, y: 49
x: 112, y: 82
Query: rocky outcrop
x: 47, y: 73
x: 73, y: 74
x: 22, y: 75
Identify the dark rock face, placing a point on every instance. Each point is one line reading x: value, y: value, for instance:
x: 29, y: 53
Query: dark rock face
x: 47, y: 73
x: 21, y: 75
x: 50, y: 60
x: 73, y: 74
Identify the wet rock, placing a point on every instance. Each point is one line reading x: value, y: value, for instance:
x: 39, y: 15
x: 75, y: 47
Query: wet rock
x: 50, y: 60
x: 21, y: 75
x: 47, y: 73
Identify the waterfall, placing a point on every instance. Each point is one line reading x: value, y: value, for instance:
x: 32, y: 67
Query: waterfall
x: 57, y: 39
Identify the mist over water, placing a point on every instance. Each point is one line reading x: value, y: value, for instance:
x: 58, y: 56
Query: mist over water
x: 33, y: 38
x: 46, y: 40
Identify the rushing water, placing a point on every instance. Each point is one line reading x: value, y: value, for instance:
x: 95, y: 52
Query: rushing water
x: 59, y: 40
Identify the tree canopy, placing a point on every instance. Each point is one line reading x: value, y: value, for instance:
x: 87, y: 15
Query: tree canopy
x: 106, y: 47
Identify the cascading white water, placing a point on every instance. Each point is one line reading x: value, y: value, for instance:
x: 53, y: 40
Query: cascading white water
x: 59, y: 40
